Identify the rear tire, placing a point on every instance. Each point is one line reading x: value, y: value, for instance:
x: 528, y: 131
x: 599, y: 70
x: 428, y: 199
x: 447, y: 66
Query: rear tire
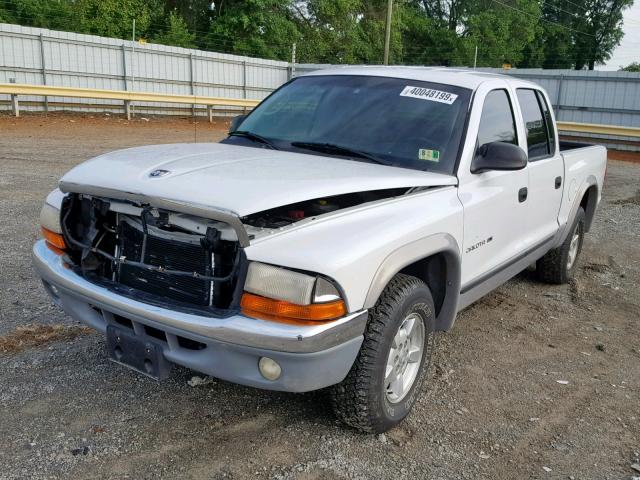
x: 387, y: 376
x: 559, y: 265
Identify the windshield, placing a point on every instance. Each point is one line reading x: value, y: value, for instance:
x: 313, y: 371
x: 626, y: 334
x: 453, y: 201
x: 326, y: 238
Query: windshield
x: 399, y: 122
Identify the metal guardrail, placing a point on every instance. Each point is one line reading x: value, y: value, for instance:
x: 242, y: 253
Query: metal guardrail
x: 127, y: 97
x: 599, y: 129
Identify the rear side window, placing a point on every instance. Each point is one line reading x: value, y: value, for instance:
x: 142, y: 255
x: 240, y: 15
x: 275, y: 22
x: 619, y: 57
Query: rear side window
x: 534, y: 123
x: 497, y: 123
x: 548, y: 120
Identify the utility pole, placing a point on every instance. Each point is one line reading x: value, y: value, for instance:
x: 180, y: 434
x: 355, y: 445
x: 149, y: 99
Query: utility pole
x: 127, y: 104
x: 475, y: 58
x: 387, y: 32
x: 133, y: 53
x: 293, y: 60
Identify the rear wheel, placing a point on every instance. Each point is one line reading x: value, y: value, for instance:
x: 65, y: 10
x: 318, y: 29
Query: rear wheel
x: 386, y: 378
x: 559, y: 265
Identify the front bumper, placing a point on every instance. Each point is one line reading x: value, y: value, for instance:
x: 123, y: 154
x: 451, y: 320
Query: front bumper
x: 311, y: 357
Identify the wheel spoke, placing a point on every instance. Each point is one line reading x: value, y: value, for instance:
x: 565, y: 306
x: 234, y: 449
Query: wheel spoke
x: 392, y: 352
x: 410, y: 325
x: 415, y: 353
x: 397, y: 386
x: 399, y: 339
x: 390, y: 375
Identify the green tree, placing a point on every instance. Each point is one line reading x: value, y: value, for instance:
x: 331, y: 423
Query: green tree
x: 342, y: 31
x: 525, y: 33
x: 176, y: 34
x: 632, y: 67
x: 38, y: 13
x: 427, y: 41
x: 261, y: 28
x: 196, y: 13
x: 600, y: 27
x: 557, y: 36
x: 113, y: 18
x: 502, y: 31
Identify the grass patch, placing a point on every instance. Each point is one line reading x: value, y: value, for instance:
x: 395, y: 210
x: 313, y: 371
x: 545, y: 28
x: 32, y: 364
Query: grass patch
x: 36, y: 335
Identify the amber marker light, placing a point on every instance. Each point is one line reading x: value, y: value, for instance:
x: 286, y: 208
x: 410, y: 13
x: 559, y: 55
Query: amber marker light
x: 54, y: 240
x: 279, y: 310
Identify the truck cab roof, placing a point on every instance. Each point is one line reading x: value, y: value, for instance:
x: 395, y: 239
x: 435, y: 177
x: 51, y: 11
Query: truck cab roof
x: 464, y: 78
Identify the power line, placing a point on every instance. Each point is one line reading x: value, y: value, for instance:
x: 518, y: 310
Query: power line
x: 541, y: 18
x: 581, y: 7
x: 573, y: 14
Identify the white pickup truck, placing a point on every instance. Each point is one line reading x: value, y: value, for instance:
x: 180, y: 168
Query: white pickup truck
x: 342, y: 223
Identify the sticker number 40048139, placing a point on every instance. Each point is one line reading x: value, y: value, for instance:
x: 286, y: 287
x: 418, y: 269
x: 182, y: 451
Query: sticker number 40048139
x: 429, y: 94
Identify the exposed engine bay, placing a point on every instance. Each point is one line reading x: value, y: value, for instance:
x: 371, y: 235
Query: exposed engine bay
x: 154, y: 255
x: 169, y: 258
x: 282, y: 216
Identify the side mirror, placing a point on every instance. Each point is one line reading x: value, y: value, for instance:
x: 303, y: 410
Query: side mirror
x: 235, y: 122
x: 499, y: 156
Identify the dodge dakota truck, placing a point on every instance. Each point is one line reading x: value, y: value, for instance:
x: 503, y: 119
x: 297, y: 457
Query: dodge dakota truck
x: 341, y: 224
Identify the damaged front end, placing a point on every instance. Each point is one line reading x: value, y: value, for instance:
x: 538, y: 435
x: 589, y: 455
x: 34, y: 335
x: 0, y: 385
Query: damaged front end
x: 155, y: 255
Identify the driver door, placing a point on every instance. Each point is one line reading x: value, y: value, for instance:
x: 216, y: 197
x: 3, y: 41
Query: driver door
x: 494, y: 202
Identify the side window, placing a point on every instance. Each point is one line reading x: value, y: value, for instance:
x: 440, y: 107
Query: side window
x: 534, y: 123
x: 548, y: 120
x: 497, y: 123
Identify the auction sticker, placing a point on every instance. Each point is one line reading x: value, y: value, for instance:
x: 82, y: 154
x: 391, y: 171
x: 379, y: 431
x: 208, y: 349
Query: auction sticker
x: 429, y: 94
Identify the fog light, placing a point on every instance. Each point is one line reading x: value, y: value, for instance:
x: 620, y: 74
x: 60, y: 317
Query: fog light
x: 269, y: 368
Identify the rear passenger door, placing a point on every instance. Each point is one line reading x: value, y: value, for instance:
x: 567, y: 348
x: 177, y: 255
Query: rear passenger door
x: 546, y: 168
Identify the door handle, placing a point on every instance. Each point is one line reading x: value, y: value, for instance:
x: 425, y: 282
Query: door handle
x: 522, y: 194
x: 558, y: 182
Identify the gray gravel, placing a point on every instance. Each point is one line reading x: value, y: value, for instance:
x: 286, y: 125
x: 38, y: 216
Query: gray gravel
x: 492, y: 408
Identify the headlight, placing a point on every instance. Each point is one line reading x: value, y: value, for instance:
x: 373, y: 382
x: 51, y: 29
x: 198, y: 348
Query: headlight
x: 50, y: 221
x: 276, y: 293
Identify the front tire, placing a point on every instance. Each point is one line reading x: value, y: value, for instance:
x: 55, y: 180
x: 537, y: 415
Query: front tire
x: 559, y: 265
x: 387, y: 377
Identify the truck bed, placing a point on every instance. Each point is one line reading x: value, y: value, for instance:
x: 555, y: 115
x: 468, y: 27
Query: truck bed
x: 568, y: 145
x: 581, y: 162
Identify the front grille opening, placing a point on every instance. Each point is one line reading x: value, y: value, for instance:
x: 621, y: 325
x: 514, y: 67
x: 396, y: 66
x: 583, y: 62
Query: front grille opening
x: 155, y: 333
x: 150, y: 257
x: 125, y: 322
x: 190, y: 344
x: 169, y: 254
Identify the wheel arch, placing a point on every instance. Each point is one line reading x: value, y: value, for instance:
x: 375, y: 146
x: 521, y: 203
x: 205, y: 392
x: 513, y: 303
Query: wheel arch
x: 434, y: 260
x: 586, y: 197
x: 589, y: 202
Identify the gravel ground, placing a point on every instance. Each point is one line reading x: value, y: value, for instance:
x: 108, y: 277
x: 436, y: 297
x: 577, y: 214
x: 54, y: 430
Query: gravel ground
x: 493, y: 407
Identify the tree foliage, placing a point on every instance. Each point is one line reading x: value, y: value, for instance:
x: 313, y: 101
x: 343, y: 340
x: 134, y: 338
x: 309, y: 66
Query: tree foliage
x: 176, y: 33
x: 524, y: 33
x: 632, y: 67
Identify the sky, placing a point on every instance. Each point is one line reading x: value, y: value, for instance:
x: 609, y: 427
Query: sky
x: 629, y: 49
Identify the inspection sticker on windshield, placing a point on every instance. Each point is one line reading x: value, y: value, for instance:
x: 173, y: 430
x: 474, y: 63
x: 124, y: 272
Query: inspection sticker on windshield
x: 429, y: 155
x: 429, y: 94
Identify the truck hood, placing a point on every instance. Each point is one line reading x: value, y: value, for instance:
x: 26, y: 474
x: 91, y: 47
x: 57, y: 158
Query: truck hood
x: 241, y: 180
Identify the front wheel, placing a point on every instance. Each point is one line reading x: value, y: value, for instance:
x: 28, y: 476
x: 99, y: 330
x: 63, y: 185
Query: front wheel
x: 386, y: 378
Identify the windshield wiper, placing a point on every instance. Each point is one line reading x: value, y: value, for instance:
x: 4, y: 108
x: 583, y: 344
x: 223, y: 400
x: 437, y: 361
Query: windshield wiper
x: 339, y: 150
x: 253, y: 136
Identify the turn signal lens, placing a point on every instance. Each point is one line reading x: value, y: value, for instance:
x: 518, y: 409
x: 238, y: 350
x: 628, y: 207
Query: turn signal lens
x: 279, y: 310
x: 54, y: 240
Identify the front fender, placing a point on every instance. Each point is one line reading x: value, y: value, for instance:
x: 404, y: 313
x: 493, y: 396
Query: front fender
x: 360, y: 248
x: 440, y: 243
